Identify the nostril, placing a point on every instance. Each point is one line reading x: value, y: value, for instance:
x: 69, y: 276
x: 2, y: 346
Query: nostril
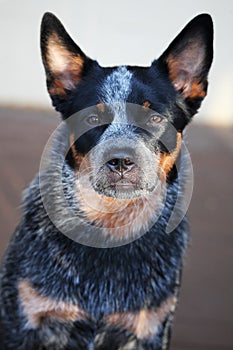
x: 128, y: 162
x: 113, y: 162
x: 120, y: 165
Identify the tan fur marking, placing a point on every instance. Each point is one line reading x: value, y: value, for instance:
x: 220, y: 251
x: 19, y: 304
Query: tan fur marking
x: 119, y: 218
x: 146, y: 104
x: 37, y: 307
x: 190, y: 89
x: 65, y: 66
x: 196, y: 90
x: 57, y: 88
x: 167, y: 160
x: 174, y: 67
x: 145, y: 323
x: 77, y: 157
x: 101, y: 107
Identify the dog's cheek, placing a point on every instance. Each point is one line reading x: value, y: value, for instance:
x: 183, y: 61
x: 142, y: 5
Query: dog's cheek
x: 167, y: 160
x: 80, y: 159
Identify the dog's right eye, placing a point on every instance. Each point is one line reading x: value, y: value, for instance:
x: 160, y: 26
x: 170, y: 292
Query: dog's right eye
x: 155, y: 119
x: 93, y: 119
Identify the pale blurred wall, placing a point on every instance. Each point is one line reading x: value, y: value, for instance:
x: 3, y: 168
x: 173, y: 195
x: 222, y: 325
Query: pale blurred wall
x: 114, y: 32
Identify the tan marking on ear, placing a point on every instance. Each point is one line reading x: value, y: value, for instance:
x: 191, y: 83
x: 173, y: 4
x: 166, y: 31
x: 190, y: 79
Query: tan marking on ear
x: 167, y: 160
x: 146, y: 104
x: 181, y: 80
x: 65, y: 67
x: 57, y: 88
x: 145, y: 323
x: 101, y: 107
x: 37, y: 307
x: 174, y: 69
x: 196, y: 90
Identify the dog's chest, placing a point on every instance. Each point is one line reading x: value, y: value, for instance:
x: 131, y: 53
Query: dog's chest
x: 104, y: 281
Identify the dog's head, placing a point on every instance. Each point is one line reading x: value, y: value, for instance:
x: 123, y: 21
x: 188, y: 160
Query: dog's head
x: 126, y: 122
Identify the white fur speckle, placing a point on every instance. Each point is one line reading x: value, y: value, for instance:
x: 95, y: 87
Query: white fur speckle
x: 114, y: 93
x: 115, y: 90
x: 117, y: 86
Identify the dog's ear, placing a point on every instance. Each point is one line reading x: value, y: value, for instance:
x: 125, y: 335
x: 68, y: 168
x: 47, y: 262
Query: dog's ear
x: 188, y: 58
x: 63, y: 60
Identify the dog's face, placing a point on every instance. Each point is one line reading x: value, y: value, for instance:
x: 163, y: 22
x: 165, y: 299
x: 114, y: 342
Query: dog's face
x: 127, y: 122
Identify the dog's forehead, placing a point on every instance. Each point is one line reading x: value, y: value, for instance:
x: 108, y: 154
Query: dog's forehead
x: 116, y: 86
x: 142, y: 86
x: 115, y: 90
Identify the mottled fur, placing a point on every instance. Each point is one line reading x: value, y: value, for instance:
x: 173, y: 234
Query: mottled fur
x: 92, y: 264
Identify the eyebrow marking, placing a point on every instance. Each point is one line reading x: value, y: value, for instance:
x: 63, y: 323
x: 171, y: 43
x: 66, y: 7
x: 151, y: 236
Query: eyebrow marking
x: 146, y: 104
x: 101, y: 107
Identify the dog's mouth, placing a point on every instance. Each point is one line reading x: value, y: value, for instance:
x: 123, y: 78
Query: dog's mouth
x: 122, y: 185
x: 124, y: 189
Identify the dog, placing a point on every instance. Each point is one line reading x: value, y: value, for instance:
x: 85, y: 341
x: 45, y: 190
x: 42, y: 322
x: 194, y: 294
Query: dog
x: 92, y: 264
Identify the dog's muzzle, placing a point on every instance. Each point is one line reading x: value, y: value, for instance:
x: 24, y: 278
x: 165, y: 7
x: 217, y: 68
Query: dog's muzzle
x: 123, y: 168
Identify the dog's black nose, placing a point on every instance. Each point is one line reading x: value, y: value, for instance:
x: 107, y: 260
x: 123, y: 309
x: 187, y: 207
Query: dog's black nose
x: 120, y: 165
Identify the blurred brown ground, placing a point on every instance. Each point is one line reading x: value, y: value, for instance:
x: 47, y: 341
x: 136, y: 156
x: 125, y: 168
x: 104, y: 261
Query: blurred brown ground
x: 204, y: 319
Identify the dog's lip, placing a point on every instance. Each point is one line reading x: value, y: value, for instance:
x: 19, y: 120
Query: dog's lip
x: 123, y: 185
x: 125, y: 190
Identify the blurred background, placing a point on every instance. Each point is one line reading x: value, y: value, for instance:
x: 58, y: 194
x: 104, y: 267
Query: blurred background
x: 132, y: 32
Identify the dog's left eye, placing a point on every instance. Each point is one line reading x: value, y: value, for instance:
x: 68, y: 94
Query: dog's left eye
x: 93, y: 119
x: 155, y: 119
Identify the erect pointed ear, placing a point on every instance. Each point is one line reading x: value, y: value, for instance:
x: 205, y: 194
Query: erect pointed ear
x: 188, y: 58
x: 63, y: 60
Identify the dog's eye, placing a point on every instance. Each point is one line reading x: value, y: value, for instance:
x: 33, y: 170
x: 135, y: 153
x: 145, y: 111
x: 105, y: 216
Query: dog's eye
x: 93, y: 119
x: 155, y: 119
